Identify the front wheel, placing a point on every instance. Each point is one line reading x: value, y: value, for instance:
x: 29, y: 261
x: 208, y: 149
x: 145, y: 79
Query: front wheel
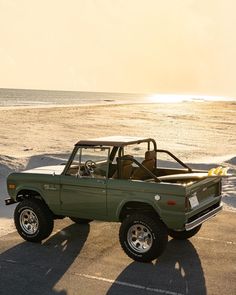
x: 33, y: 220
x: 143, y: 238
x: 184, y: 235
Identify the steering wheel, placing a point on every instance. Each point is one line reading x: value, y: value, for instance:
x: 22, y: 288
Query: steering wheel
x: 89, y: 166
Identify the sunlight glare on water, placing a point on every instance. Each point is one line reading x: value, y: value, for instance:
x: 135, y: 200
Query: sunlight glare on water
x: 176, y: 98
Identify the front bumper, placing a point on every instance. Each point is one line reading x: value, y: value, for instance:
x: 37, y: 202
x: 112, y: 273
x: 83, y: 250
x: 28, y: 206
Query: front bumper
x: 203, y: 218
x: 9, y: 201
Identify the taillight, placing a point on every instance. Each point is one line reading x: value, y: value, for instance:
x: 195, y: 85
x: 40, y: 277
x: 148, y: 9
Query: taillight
x: 186, y: 203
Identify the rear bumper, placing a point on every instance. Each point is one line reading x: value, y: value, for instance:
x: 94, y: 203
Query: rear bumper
x: 9, y: 201
x: 203, y: 218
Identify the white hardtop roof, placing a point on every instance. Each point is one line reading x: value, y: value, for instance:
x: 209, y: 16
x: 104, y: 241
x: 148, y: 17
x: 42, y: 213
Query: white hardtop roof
x: 113, y: 141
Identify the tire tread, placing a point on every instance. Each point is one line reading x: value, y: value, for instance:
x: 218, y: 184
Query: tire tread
x: 157, y: 227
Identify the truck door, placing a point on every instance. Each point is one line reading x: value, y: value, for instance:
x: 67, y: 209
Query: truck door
x: 83, y: 186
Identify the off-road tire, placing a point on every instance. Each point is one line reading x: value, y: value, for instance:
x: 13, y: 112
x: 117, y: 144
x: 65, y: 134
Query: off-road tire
x: 80, y: 220
x: 33, y: 220
x: 156, y: 237
x: 183, y: 235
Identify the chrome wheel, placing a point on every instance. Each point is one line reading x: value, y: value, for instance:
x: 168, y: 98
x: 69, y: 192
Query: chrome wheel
x: 139, y: 238
x: 29, y: 221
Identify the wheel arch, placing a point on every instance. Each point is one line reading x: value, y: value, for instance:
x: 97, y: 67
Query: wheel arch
x: 27, y: 193
x: 135, y: 206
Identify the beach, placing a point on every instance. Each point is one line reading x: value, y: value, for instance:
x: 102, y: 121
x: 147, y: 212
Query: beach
x: 202, y: 134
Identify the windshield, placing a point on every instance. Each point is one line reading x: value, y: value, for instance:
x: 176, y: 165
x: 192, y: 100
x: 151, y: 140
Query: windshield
x: 90, y: 162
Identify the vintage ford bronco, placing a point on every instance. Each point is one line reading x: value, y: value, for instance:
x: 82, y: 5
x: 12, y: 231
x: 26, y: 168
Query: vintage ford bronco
x: 106, y: 179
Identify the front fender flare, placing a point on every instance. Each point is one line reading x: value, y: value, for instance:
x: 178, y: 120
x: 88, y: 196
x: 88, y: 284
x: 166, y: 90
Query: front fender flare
x: 29, y: 188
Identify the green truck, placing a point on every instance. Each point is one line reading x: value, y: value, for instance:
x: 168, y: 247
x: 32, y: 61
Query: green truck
x: 117, y: 179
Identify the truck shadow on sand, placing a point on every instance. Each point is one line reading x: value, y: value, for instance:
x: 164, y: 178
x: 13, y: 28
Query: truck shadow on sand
x: 178, y: 271
x: 30, y: 268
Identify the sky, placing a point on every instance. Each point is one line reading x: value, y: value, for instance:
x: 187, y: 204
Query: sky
x: 140, y: 46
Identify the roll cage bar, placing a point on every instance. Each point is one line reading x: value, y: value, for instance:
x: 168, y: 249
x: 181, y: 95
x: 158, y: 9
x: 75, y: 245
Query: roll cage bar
x: 119, y: 146
x: 147, y: 170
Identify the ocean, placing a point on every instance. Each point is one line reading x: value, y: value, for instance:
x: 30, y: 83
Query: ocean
x: 27, y: 97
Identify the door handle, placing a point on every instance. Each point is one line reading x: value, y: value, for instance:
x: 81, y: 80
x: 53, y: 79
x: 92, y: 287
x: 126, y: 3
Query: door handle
x: 100, y: 181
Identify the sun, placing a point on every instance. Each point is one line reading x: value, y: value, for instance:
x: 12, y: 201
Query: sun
x: 168, y: 98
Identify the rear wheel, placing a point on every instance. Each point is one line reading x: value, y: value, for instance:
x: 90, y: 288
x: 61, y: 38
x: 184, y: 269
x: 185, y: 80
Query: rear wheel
x: 184, y: 235
x: 33, y: 220
x: 143, y: 238
x: 80, y: 220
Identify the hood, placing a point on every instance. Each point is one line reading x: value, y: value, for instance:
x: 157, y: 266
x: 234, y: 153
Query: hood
x: 57, y: 170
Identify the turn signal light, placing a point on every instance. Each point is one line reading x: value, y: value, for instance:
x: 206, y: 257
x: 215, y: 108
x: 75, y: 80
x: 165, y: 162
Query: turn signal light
x: 11, y: 186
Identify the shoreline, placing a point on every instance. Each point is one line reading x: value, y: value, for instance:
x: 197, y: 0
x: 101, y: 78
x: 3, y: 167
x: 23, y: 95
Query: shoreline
x: 112, y: 103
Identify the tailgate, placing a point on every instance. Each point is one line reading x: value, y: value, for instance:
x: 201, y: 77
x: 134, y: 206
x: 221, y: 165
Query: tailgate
x: 203, y: 192
x: 202, y: 201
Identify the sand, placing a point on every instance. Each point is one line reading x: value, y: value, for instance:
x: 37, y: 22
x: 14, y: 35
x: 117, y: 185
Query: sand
x: 200, y: 133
